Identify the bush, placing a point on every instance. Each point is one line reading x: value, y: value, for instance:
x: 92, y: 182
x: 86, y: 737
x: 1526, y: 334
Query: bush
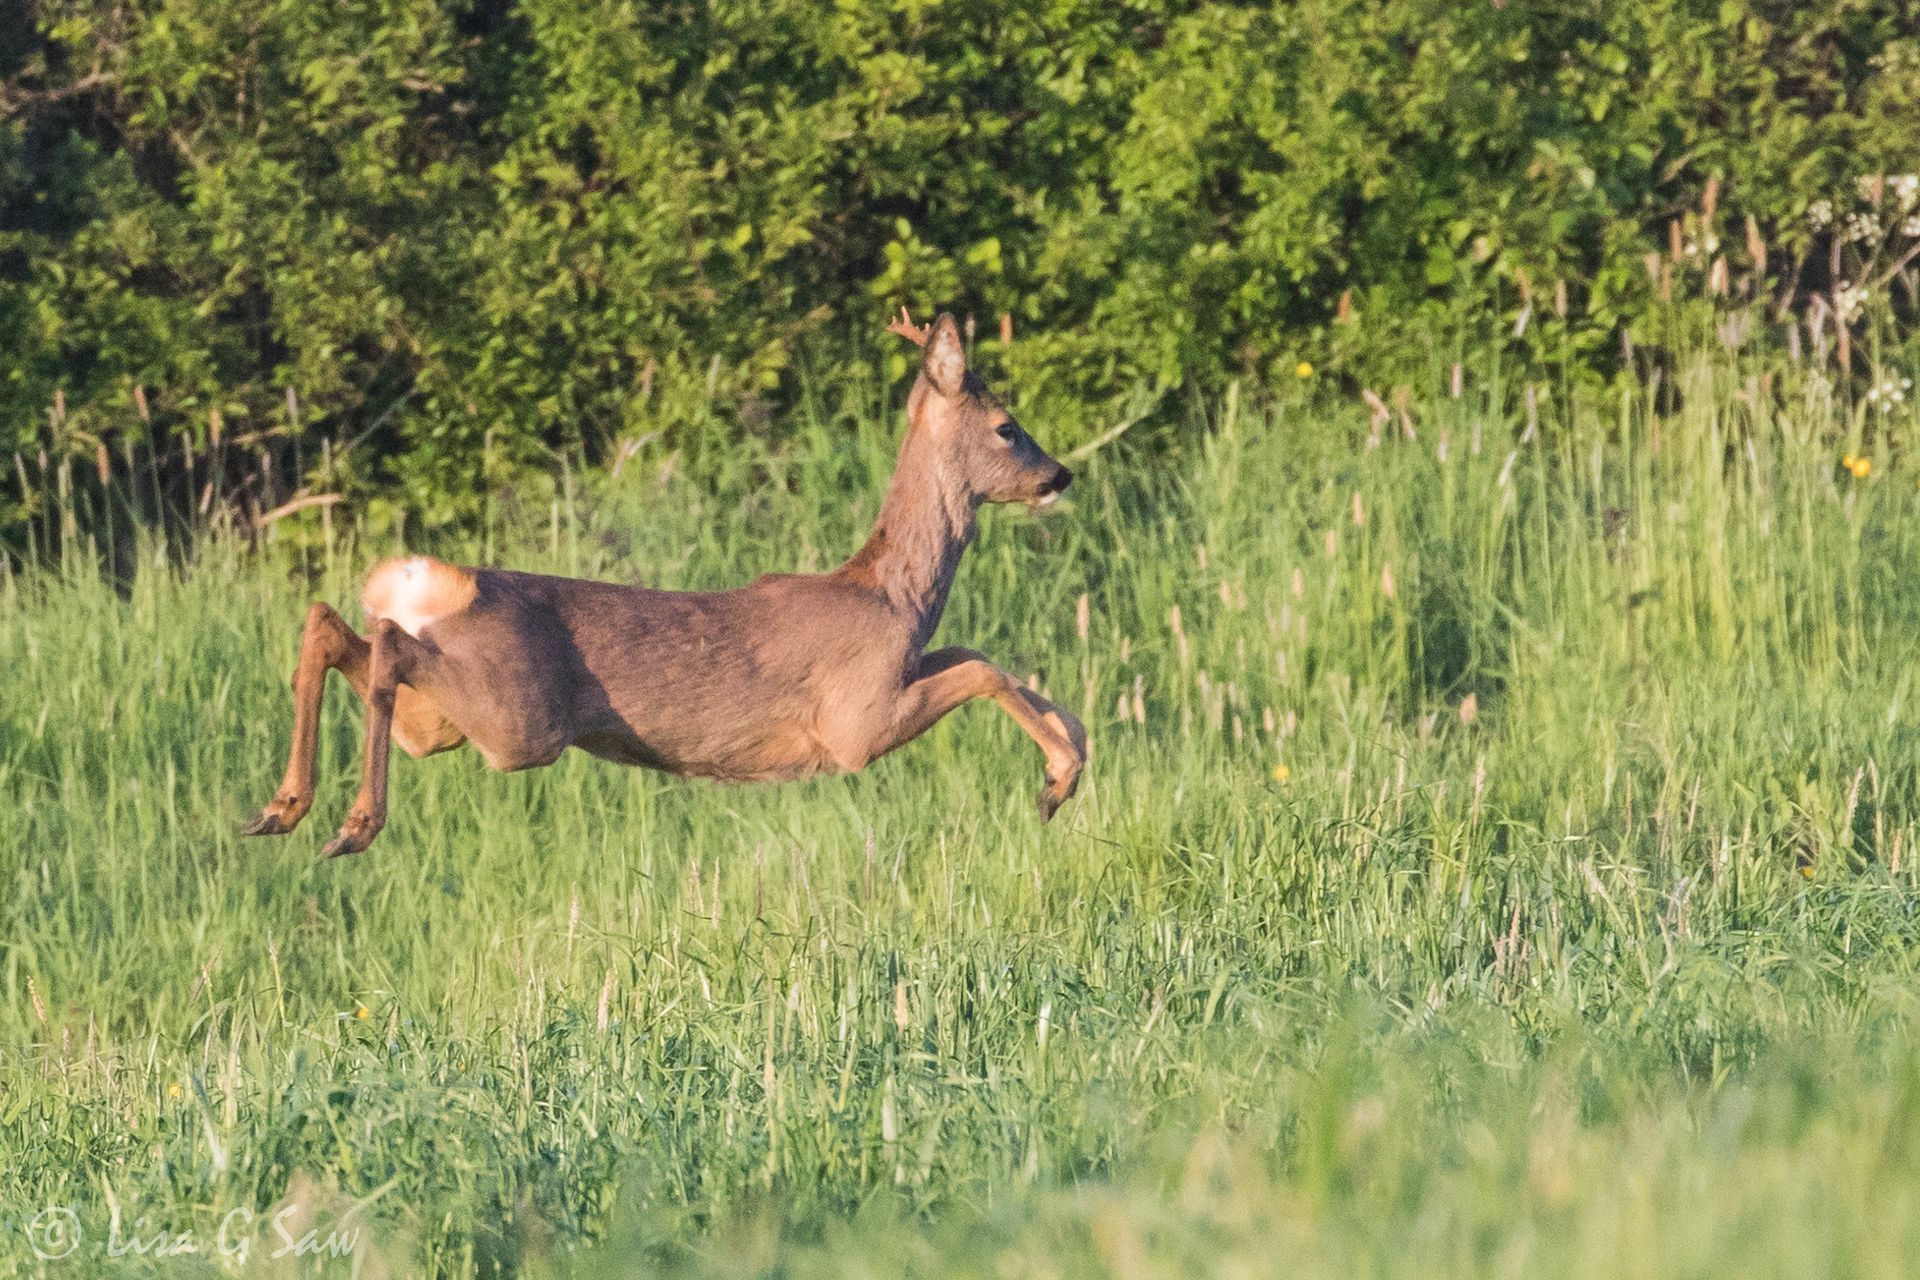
x: 466, y: 234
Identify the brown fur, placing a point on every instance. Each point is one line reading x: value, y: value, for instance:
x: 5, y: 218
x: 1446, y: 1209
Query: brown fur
x: 789, y: 676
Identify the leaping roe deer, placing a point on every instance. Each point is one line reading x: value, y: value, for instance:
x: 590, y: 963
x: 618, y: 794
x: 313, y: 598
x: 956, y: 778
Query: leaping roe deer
x: 789, y: 676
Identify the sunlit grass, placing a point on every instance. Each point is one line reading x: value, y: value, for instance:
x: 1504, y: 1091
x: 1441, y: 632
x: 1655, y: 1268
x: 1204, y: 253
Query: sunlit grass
x: 1497, y: 859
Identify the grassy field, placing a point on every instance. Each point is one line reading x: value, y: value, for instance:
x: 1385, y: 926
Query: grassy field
x: 1497, y: 860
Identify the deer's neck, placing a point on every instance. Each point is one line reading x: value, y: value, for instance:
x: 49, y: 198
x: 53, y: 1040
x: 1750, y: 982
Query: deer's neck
x: 924, y: 526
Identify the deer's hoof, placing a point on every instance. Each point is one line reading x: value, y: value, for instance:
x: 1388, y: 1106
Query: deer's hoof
x: 1055, y: 794
x: 267, y: 822
x: 355, y: 835
x: 282, y: 815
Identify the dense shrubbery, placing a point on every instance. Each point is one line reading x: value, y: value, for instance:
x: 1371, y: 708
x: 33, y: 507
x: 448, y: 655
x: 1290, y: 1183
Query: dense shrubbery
x: 470, y: 232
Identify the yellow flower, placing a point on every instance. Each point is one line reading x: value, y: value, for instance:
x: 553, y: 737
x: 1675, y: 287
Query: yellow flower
x: 1847, y: 460
x: 1281, y: 773
x: 1806, y: 871
x: 361, y: 1013
x: 173, y: 1088
x: 1861, y: 468
x: 1303, y: 370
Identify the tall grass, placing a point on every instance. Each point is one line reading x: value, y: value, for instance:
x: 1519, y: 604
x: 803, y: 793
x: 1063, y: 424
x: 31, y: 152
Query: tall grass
x: 1497, y: 859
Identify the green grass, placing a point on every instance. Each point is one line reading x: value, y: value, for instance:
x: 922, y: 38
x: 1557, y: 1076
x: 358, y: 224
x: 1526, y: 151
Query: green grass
x: 1612, y: 975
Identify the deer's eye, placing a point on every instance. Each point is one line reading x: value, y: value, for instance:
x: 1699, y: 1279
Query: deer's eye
x: 1007, y: 430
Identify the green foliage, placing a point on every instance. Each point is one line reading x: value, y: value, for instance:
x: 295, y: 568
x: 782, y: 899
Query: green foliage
x: 467, y: 235
x: 1575, y: 938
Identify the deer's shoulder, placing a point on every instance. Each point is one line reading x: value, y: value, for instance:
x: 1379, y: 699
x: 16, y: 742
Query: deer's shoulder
x: 812, y: 590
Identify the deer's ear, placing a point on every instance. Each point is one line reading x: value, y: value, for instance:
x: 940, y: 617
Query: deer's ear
x: 945, y: 361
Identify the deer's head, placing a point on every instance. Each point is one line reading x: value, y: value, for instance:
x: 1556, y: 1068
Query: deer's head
x: 976, y: 443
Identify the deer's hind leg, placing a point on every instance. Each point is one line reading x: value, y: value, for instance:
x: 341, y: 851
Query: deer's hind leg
x: 327, y: 643
x: 397, y: 665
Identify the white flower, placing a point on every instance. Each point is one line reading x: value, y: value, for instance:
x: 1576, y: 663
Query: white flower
x: 1848, y: 299
x: 1862, y: 226
x: 1906, y: 190
x: 1888, y: 393
x: 1911, y: 227
x: 1819, y: 214
x: 1707, y: 245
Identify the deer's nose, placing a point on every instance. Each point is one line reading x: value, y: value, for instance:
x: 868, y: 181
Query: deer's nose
x: 1060, y: 480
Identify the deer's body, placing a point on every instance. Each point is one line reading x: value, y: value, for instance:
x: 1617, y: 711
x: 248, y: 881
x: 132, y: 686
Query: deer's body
x: 680, y: 681
x: 789, y: 676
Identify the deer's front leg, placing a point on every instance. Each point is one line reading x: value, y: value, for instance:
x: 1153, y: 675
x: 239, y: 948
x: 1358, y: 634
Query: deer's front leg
x: 326, y: 643
x: 397, y: 659
x: 948, y: 677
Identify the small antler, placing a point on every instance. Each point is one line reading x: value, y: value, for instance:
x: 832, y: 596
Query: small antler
x: 906, y: 328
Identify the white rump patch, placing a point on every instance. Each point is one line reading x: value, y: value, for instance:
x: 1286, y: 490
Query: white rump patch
x: 415, y: 592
